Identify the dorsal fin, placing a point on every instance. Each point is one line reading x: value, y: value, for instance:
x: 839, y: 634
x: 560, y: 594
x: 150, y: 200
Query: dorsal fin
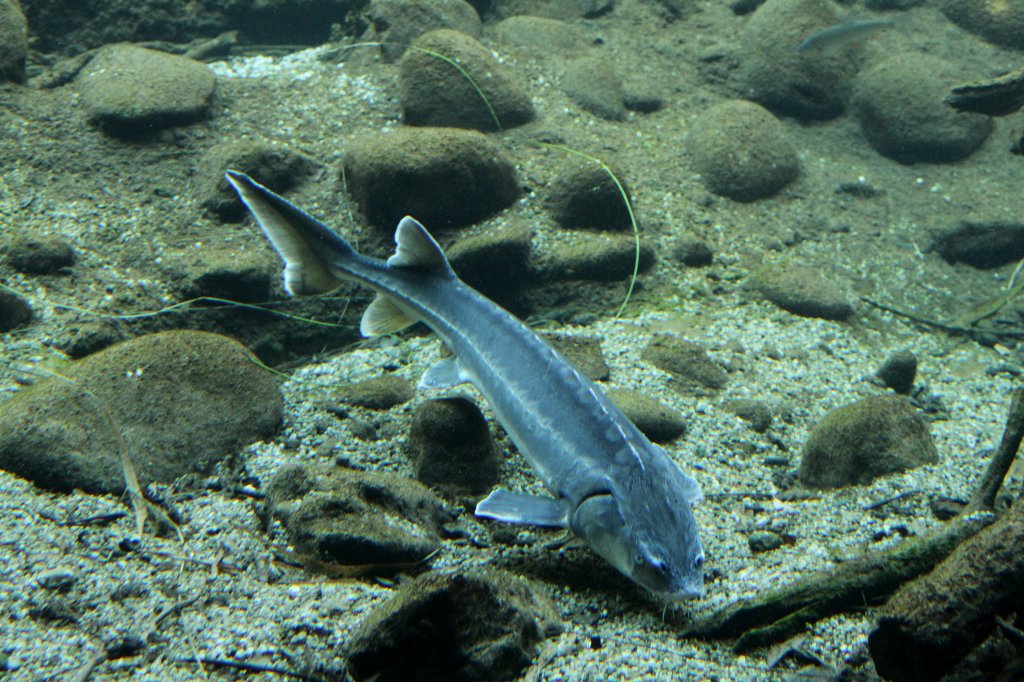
x: 415, y: 248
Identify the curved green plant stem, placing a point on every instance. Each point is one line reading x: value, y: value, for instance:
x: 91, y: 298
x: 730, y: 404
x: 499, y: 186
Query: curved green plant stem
x: 276, y: 372
x: 469, y: 79
x: 453, y: 63
x: 175, y: 306
x: 629, y: 209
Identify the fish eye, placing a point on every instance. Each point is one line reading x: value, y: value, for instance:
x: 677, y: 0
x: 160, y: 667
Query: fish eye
x: 698, y: 562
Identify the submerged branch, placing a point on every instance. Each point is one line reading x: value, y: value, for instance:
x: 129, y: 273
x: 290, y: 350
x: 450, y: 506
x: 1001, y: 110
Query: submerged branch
x: 870, y: 578
x: 985, y: 494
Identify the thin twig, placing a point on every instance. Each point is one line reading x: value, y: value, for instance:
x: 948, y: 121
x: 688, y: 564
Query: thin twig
x: 969, y: 331
x: 894, y: 498
x: 252, y: 668
x: 86, y: 670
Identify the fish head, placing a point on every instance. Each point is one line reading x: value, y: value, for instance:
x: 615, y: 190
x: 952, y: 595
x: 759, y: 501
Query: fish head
x: 650, y: 535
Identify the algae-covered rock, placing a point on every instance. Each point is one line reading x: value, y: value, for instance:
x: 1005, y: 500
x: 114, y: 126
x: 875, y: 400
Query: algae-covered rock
x: 276, y: 166
x: 742, y: 151
x: 982, y: 243
x: 773, y: 74
x: 39, y: 254
x: 764, y: 541
x: 587, y: 194
x: 15, y: 311
x: 593, y: 83
x: 857, y: 443
x: 454, y: 626
x: 692, y: 370
x: 451, y: 446
x: 171, y: 398
x: 446, y: 177
x: 898, y: 371
x: 998, y: 21
x: 396, y: 23
x: 222, y: 270
x: 497, y: 264
x: 757, y: 413
x: 801, y: 290
x: 480, y: 93
x: 584, y: 352
x: 13, y: 42
x: 655, y: 420
x: 132, y: 90
x: 372, y: 521
x: 379, y: 393
x: 600, y: 257
x: 899, y: 104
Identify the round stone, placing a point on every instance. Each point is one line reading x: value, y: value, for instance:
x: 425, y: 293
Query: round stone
x: 131, y: 90
x: 742, y: 151
x: 997, y: 21
x: 899, y: 105
x: 443, y: 177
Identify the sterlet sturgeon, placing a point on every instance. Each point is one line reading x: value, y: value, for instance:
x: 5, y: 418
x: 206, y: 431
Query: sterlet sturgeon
x: 610, y: 485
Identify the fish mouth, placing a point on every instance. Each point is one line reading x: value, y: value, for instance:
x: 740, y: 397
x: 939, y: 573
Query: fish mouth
x: 684, y: 593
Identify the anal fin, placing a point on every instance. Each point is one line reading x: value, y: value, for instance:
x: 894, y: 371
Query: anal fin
x: 384, y: 316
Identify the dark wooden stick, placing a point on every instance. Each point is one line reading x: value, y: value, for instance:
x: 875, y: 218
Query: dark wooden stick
x: 985, y: 494
x: 931, y: 623
x: 868, y: 579
x: 957, y: 329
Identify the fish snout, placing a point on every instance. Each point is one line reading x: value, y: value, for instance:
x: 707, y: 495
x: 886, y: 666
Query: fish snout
x: 687, y: 592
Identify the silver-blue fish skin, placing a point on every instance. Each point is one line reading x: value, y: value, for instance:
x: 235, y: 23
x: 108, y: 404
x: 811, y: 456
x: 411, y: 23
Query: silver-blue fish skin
x: 585, y: 451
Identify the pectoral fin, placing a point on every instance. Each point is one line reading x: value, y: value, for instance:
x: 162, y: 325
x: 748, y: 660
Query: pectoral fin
x: 505, y: 505
x: 691, y: 490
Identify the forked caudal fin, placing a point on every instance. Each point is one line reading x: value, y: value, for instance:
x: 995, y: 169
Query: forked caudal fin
x: 317, y: 260
x: 306, y: 245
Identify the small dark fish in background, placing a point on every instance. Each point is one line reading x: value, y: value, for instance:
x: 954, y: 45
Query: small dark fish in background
x: 999, y: 96
x: 853, y: 29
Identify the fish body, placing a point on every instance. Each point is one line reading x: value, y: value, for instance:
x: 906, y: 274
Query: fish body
x: 834, y: 37
x: 609, y: 484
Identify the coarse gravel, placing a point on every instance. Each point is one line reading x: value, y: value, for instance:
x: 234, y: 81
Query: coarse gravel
x: 227, y: 589
x: 250, y: 607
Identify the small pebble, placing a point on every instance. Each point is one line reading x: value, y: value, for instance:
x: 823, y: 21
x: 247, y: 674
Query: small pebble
x: 56, y: 579
x: 763, y: 541
x: 898, y: 371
